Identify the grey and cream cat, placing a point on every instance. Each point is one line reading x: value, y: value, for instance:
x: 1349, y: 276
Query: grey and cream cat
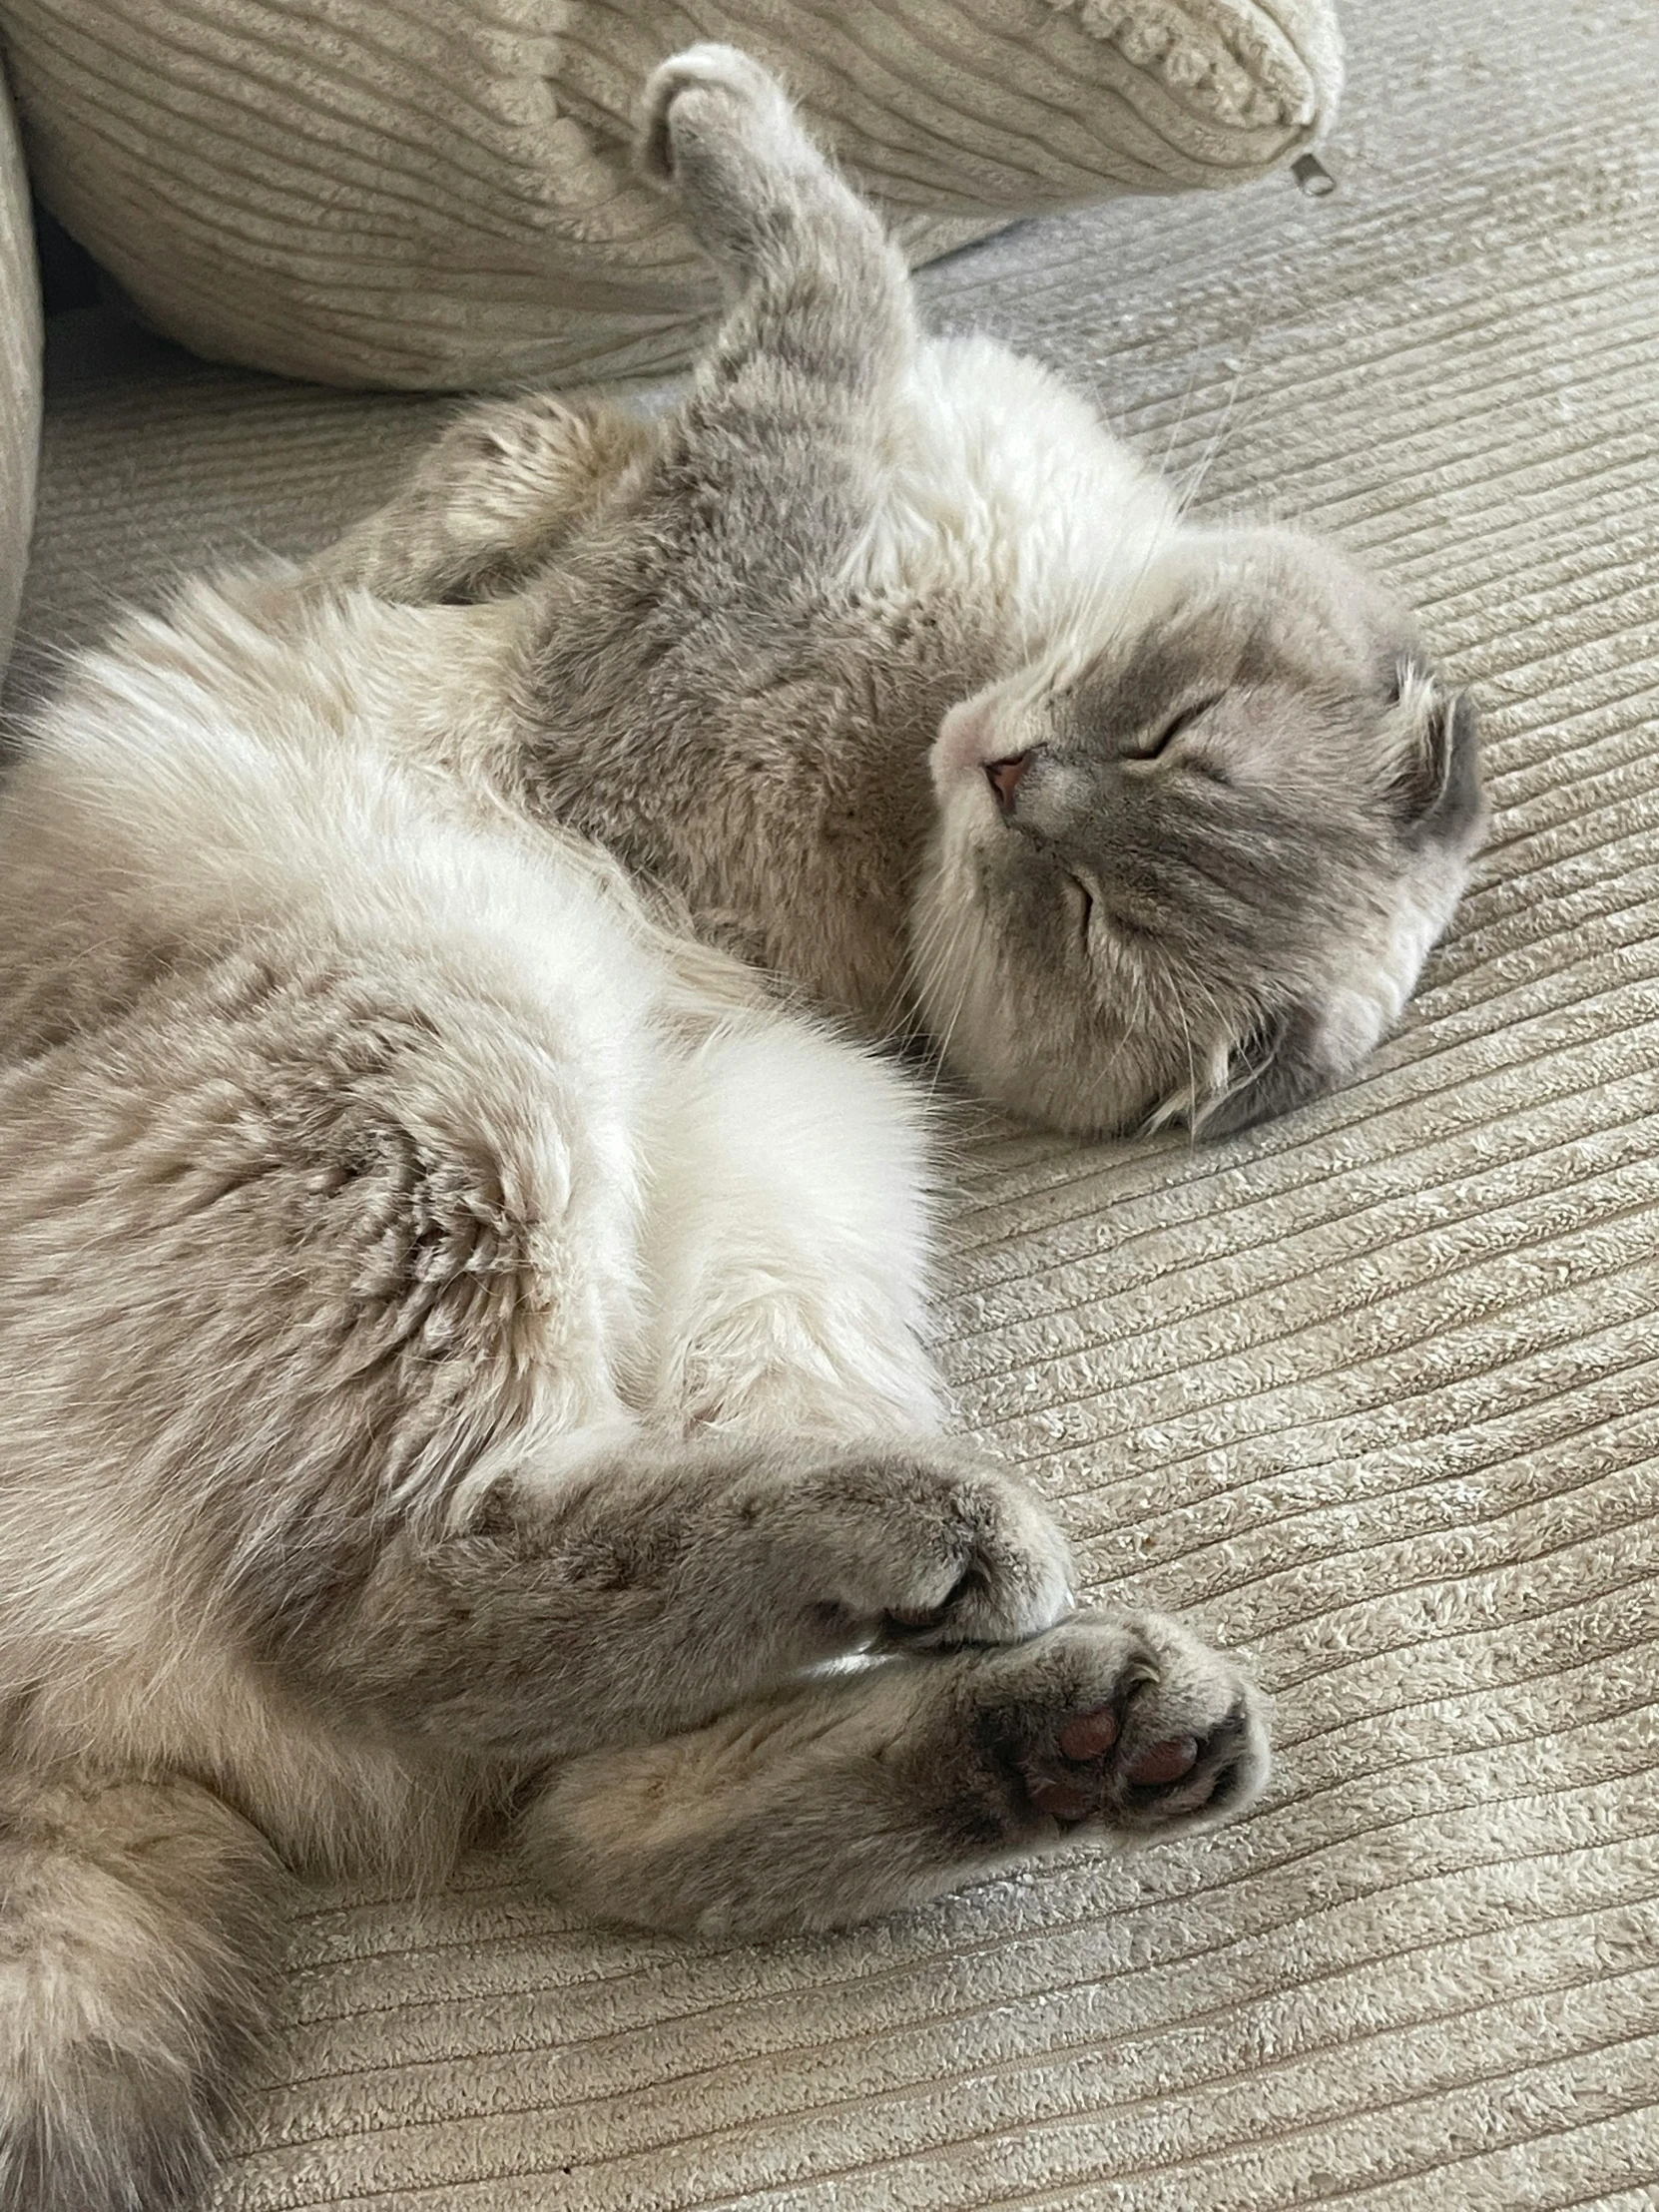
x: 463, y: 1338
x: 914, y: 684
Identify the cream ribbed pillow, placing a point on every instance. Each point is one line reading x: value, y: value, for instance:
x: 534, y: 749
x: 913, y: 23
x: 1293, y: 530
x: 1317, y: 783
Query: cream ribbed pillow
x: 436, y: 192
x: 19, y: 375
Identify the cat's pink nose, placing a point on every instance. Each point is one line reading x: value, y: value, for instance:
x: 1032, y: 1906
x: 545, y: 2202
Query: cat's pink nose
x: 1004, y: 778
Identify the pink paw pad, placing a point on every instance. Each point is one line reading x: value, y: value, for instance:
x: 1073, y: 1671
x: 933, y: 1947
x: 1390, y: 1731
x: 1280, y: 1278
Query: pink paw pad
x: 1076, y: 1789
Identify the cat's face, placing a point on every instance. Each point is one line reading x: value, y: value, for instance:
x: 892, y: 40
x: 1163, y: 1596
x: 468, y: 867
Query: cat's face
x: 1192, y: 872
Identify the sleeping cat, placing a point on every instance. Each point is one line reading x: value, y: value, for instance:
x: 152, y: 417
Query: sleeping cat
x: 463, y: 1338
x: 914, y: 686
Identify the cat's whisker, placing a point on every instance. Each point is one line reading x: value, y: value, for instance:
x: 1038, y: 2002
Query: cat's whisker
x: 1179, y: 422
x: 1192, y: 1069
x: 1187, y: 497
x: 943, y: 1045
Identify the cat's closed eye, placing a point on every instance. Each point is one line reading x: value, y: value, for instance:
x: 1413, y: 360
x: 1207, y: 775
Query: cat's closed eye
x: 1173, y: 729
x: 1080, y: 901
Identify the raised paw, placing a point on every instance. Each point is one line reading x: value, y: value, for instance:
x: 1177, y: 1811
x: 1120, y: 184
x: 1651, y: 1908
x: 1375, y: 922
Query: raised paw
x: 515, y: 477
x: 1129, y: 1721
x: 491, y: 501
x: 718, y: 133
x: 925, y: 1550
x: 705, y: 100
x: 550, y: 445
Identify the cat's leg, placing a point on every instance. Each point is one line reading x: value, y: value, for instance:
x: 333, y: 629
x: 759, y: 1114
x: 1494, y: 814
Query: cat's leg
x: 789, y: 1238
x: 636, y: 1591
x: 494, y: 499
x: 691, y: 680
x: 820, y: 329
x: 137, y: 1931
x: 763, y: 471
x: 770, y: 467
x: 876, y: 1789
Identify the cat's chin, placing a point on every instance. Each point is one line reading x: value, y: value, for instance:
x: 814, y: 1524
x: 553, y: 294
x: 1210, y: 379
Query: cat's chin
x: 1025, y: 1093
x: 987, y: 1028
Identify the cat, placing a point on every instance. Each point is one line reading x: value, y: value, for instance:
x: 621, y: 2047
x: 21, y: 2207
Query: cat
x: 916, y: 688
x: 465, y: 1339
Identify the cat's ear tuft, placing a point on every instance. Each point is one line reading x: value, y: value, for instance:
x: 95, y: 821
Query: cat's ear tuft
x: 1281, y: 1064
x: 1436, y: 787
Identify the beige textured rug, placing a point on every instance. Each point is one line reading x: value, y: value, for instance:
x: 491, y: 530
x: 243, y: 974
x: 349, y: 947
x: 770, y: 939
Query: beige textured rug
x: 1374, y: 1393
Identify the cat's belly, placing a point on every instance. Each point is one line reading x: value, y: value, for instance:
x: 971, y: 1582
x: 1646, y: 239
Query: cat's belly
x: 488, y: 1196
x: 785, y: 1241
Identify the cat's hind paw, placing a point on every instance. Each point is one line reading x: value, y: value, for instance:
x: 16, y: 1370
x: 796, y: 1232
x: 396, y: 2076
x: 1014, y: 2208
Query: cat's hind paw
x: 718, y: 131
x: 1133, y: 1724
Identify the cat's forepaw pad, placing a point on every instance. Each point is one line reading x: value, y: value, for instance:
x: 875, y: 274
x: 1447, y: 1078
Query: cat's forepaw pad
x: 1093, y: 1735
x: 1177, y: 1778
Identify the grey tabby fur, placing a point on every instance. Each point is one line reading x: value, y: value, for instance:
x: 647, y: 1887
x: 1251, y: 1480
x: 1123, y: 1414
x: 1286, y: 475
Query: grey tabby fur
x: 464, y: 1345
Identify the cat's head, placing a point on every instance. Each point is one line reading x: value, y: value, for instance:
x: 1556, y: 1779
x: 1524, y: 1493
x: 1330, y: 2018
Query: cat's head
x: 1191, y: 872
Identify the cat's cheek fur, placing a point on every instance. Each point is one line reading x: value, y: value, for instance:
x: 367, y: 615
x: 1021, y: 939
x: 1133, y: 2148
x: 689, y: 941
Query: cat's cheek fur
x: 1356, y: 1020
x: 978, y: 1011
x: 955, y: 957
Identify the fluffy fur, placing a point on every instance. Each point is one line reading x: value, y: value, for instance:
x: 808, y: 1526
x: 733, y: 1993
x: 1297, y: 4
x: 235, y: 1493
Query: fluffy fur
x: 464, y: 1343
x: 916, y: 688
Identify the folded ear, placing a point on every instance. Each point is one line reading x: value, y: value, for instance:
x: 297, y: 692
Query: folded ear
x: 1436, y: 783
x: 1280, y: 1064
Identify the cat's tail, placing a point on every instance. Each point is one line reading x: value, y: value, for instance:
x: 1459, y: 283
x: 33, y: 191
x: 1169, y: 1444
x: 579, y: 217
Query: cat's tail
x: 137, y: 1924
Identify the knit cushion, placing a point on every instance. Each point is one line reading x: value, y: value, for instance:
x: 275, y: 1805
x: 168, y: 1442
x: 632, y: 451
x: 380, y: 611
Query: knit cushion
x: 19, y: 375
x: 435, y: 194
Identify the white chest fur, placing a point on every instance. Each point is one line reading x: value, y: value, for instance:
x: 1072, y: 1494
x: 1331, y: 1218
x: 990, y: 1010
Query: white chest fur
x: 1006, y: 491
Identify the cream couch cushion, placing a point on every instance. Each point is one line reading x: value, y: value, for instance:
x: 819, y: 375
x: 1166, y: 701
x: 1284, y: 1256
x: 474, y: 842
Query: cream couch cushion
x: 19, y: 373
x: 436, y: 192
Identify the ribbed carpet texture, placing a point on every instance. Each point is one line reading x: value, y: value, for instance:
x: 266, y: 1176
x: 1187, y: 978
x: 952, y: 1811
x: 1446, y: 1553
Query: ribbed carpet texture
x: 1373, y: 1394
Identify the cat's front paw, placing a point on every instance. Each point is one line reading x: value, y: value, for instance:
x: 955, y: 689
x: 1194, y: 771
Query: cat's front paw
x: 704, y: 104
x: 718, y: 133
x: 926, y: 1549
x: 1125, y: 1721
